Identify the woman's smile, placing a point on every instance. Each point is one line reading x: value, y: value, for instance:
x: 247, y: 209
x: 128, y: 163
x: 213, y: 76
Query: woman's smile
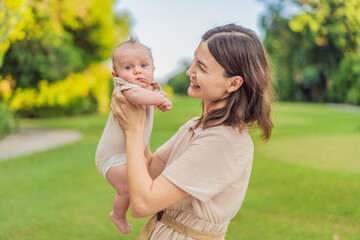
x: 193, y: 85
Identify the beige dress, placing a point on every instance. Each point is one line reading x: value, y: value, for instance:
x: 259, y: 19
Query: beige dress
x: 214, y: 167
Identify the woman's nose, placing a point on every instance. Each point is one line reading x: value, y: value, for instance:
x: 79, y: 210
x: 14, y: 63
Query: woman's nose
x: 189, y: 72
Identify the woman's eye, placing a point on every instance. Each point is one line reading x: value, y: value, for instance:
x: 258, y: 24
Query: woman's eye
x: 199, y: 66
x: 143, y: 65
x: 128, y: 67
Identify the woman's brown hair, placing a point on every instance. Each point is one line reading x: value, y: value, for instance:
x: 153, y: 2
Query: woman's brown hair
x: 240, y: 52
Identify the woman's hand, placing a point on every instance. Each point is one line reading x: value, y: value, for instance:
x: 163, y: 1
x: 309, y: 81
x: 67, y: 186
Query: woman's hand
x: 131, y: 117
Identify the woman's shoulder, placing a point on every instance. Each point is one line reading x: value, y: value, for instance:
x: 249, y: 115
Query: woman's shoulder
x: 190, y: 123
x: 229, y: 135
x: 183, y: 129
x: 193, y: 120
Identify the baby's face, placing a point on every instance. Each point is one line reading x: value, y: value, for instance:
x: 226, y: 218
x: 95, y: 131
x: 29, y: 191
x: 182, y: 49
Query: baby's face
x: 134, y: 64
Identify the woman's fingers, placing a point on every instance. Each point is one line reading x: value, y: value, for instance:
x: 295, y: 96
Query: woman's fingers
x: 117, y: 94
x: 130, y: 116
x: 115, y: 107
x: 114, y: 91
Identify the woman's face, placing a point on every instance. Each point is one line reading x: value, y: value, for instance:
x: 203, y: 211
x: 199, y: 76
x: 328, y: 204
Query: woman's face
x: 207, y: 77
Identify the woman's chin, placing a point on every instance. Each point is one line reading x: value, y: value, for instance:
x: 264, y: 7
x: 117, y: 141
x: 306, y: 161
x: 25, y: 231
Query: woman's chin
x: 191, y: 93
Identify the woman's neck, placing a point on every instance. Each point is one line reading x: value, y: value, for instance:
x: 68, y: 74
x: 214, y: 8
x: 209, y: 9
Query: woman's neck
x: 208, y: 107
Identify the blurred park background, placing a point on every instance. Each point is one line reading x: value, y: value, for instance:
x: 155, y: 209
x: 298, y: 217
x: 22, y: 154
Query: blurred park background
x: 54, y: 72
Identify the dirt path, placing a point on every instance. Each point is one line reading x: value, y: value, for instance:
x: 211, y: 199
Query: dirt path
x: 30, y: 139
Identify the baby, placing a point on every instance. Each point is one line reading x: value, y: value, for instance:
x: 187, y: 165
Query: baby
x: 133, y: 72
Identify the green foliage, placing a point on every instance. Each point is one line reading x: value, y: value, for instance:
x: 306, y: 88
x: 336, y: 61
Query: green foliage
x: 345, y: 83
x: 47, y: 51
x: 308, y: 48
x: 169, y: 91
x: 78, y: 93
x: 180, y: 81
x: 7, y: 121
x: 14, y: 17
x: 50, y: 62
x: 59, y: 37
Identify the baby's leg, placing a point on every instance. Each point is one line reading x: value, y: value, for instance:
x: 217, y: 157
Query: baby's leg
x: 117, y: 177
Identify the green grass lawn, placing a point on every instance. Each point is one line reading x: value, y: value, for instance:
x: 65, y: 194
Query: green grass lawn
x: 305, y: 182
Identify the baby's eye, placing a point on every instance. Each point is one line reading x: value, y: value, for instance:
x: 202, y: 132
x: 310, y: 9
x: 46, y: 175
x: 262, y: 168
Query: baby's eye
x: 128, y: 67
x: 143, y: 65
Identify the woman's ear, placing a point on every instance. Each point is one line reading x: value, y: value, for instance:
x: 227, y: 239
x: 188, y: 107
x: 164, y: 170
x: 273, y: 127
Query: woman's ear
x: 235, y: 83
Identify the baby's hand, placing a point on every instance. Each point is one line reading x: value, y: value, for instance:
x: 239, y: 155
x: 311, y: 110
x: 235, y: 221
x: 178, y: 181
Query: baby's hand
x: 165, y: 106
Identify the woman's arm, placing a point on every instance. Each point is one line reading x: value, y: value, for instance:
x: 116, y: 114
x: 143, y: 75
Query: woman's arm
x: 147, y: 196
x: 155, y: 164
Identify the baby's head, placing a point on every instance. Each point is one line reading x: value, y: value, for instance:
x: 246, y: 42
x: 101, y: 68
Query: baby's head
x: 133, y: 62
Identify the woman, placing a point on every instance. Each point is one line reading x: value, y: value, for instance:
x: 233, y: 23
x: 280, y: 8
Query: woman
x: 196, y: 181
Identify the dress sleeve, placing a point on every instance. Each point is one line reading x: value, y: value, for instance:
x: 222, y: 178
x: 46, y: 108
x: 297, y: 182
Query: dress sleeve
x: 124, y: 85
x: 215, y: 159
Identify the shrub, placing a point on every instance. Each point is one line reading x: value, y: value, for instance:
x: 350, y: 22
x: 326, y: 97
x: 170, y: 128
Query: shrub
x: 345, y: 83
x: 180, y: 81
x: 169, y: 91
x: 7, y: 121
x: 77, y: 94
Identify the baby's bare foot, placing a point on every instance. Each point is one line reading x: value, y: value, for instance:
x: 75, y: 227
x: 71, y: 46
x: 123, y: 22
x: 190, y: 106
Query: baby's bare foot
x: 121, y: 223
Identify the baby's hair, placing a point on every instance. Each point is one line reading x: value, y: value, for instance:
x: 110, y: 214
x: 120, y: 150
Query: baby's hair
x: 133, y: 40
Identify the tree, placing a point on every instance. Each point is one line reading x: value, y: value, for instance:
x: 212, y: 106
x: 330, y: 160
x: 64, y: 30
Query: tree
x: 14, y: 16
x: 52, y: 54
x: 308, y: 48
x: 59, y: 37
x: 11, y: 29
x: 180, y: 81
